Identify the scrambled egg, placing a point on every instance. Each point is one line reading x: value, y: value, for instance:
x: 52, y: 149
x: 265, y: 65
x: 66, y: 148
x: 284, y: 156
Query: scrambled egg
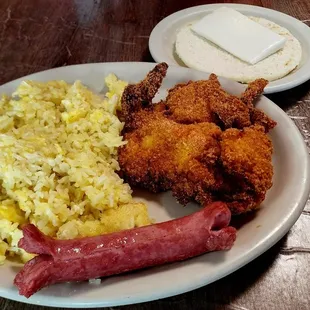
x: 58, y: 164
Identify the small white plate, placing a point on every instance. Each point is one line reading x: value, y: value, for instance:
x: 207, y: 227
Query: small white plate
x: 283, y: 205
x: 162, y: 38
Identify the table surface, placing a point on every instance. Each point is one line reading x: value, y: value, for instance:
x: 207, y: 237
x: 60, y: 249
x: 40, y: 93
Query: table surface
x: 39, y: 34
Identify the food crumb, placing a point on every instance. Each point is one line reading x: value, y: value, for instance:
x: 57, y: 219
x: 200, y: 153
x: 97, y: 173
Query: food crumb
x: 94, y: 281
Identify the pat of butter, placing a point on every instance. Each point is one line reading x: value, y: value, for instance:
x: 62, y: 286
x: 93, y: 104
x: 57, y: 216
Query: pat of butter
x: 239, y: 35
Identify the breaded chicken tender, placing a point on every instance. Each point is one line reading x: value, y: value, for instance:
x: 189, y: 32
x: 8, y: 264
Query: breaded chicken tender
x: 201, y: 143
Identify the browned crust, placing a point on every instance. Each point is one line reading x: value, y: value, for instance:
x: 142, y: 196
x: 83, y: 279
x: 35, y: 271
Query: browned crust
x: 184, y: 143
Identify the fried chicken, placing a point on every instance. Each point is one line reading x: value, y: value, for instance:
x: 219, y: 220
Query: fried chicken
x: 246, y: 159
x: 138, y: 96
x: 201, y: 143
x: 190, y: 103
x: 162, y: 150
x: 206, y: 101
x: 253, y: 91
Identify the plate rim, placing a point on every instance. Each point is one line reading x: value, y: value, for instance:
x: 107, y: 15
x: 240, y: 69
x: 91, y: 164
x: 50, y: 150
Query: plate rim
x: 247, y: 256
x: 158, y: 30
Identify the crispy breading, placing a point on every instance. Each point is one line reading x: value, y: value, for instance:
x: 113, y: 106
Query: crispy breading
x: 183, y: 144
x: 231, y: 111
x: 253, y: 91
x: 190, y: 103
x: 258, y: 117
x: 206, y: 101
x: 162, y: 151
x: 136, y: 95
x: 246, y: 154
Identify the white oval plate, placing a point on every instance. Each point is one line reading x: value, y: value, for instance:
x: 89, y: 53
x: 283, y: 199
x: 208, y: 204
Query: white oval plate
x: 162, y: 38
x: 282, y: 207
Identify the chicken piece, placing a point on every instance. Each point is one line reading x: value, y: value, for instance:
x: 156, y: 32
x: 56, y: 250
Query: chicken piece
x: 190, y: 102
x: 258, y: 117
x: 206, y: 101
x: 171, y: 149
x: 246, y: 157
x: 137, y: 95
x: 198, y: 162
x: 231, y: 111
x: 162, y: 151
x: 253, y: 91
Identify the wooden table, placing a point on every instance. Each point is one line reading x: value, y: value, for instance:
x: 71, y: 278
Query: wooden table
x: 39, y: 34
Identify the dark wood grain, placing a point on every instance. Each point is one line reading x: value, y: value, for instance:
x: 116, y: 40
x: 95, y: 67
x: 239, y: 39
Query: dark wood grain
x: 41, y: 34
